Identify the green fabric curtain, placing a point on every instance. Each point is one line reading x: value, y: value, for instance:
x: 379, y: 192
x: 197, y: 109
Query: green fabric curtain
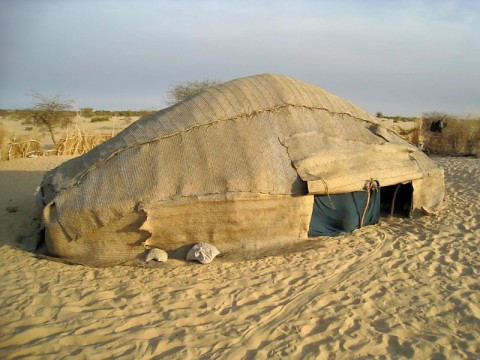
x: 341, y: 213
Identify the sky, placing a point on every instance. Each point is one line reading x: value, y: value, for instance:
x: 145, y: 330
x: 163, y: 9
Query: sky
x: 392, y: 56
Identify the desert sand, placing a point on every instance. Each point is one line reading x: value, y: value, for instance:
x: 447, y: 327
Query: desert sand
x: 405, y: 288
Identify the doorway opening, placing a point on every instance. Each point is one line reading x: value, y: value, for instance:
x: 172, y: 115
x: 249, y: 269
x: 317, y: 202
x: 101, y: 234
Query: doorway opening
x: 396, y: 200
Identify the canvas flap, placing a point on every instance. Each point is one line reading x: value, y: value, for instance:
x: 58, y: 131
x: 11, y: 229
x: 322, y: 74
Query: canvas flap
x: 333, y: 165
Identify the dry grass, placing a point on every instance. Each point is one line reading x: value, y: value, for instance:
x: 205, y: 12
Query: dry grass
x: 458, y: 138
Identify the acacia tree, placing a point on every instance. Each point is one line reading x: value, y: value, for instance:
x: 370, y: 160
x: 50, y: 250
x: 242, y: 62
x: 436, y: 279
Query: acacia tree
x: 51, y: 112
x: 188, y: 89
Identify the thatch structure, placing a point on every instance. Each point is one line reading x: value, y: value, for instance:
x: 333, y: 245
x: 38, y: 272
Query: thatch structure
x: 237, y: 166
x: 77, y: 142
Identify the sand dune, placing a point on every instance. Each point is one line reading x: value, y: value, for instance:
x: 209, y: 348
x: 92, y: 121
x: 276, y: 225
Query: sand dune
x: 402, y: 289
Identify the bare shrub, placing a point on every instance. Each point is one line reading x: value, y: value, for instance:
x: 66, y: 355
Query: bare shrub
x: 51, y: 112
x: 189, y: 89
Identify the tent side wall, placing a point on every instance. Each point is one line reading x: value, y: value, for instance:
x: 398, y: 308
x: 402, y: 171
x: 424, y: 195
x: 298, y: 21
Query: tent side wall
x: 231, y: 222
x: 115, y: 243
x: 428, y: 193
x: 239, y: 155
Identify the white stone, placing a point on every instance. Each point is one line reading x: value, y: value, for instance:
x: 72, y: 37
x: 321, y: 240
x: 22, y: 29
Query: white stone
x: 156, y: 254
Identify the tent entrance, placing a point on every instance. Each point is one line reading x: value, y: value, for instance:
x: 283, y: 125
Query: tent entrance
x: 396, y: 200
x: 342, y: 213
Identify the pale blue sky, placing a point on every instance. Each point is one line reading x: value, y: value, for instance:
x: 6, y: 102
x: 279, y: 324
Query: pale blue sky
x: 398, y: 57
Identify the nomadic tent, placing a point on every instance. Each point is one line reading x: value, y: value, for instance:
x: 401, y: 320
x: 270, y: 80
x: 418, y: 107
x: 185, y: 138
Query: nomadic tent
x: 255, y: 162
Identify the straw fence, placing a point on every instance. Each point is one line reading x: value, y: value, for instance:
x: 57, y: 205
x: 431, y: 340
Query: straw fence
x: 75, y: 142
x: 78, y: 142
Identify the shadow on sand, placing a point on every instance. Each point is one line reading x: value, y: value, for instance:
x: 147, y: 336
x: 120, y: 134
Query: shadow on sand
x: 19, y: 208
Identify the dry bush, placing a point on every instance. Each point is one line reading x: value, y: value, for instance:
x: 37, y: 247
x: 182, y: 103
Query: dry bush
x: 475, y: 140
x: 51, y: 112
x: 78, y: 142
x: 189, y: 89
x: 458, y: 138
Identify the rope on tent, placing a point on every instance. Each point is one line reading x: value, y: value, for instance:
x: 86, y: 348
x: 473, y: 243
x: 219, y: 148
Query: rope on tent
x: 370, y: 185
x: 331, y: 203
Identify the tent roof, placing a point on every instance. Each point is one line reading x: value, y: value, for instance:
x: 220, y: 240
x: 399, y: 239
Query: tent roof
x: 245, y: 98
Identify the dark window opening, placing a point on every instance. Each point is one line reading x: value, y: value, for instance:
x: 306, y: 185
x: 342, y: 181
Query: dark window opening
x: 396, y: 200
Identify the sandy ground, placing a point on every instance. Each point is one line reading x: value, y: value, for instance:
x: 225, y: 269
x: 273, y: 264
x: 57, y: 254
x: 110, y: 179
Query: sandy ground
x: 402, y: 289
